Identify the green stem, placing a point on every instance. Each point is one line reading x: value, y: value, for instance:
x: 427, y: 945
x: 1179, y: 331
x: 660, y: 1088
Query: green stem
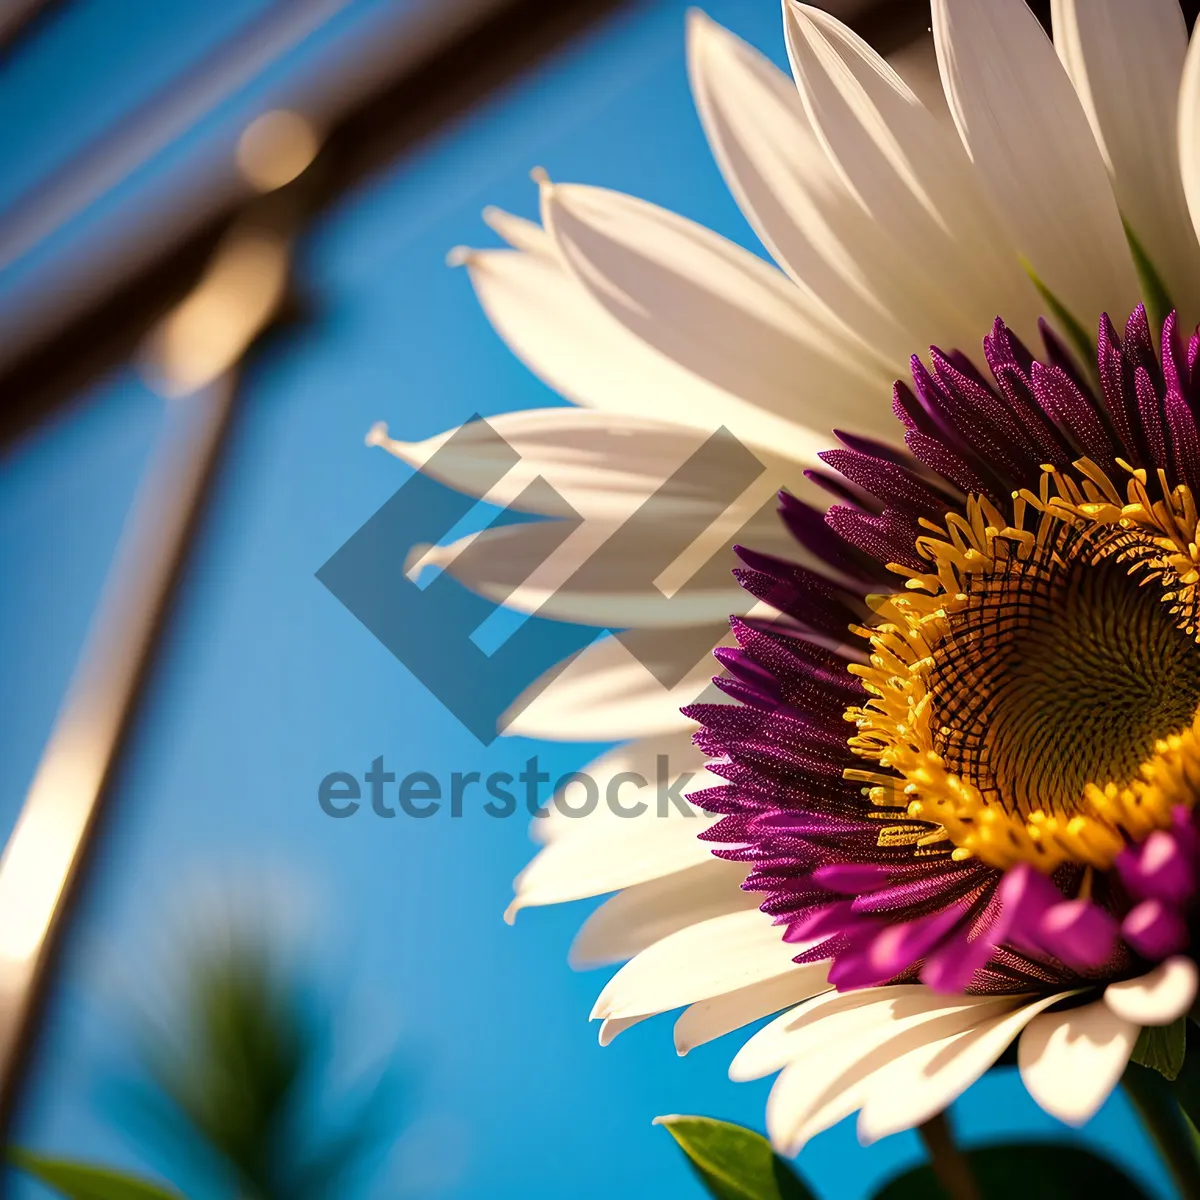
x: 1167, y: 1126
x: 948, y: 1161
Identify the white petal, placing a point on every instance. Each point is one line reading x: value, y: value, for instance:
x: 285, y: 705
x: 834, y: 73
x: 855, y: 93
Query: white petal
x: 605, y: 694
x: 1071, y: 1060
x: 826, y: 1086
x: 518, y: 232
x: 710, y: 1019
x: 707, y: 959
x: 652, y: 758
x: 911, y: 175
x: 786, y: 1038
x: 651, y: 572
x: 575, y: 346
x: 1189, y: 131
x: 925, y: 1081
x: 1157, y: 998
x: 572, y: 344
x: 1126, y: 61
x: 722, y: 314
x: 791, y: 193
x: 841, y: 1016
x: 599, y: 465
x: 1027, y: 134
x: 648, y: 912
x: 771, y: 1048
x: 611, y: 1028
x: 616, y: 855
x: 916, y: 64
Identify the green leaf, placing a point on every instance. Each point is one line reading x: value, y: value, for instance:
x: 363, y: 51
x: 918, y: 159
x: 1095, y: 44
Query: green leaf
x: 1162, y: 1047
x: 1158, y: 299
x: 1186, y: 1086
x: 1030, y: 1170
x: 1082, y: 342
x: 735, y: 1163
x: 81, y: 1181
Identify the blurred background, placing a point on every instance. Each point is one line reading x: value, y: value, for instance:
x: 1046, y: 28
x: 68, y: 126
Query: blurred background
x: 223, y: 228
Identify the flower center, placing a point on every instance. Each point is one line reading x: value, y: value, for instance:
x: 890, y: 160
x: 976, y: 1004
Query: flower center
x: 1060, y: 670
x: 1035, y: 696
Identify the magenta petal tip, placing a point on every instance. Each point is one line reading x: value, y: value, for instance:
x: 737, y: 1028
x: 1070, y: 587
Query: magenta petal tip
x: 1078, y: 933
x: 1154, y: 930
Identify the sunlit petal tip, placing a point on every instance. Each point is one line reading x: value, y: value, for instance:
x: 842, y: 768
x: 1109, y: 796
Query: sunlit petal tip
x: 610, y: 1028
x: 604, y: 694
x: 459, y: 256
x: 415, y: 454
x: 785, y: 1147
x: 519, y: 232
x: 423, y: 555
x: 377, y: 435
x: 1158, y: 998
x: 815, y: 17
x: 702, y: 35
x: 798, y: 201
x: 510, y: 913
x: 1071, y: 1061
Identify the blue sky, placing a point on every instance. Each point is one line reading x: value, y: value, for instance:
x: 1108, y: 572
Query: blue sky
x: 266, y: 684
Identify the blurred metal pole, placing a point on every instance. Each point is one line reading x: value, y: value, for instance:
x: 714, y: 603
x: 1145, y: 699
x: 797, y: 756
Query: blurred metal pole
x: 43, y: 857
x: 191, y: 359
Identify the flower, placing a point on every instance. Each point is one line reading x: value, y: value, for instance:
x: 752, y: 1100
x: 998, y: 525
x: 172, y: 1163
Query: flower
x: 988, y: 882
x: 1009, y: 820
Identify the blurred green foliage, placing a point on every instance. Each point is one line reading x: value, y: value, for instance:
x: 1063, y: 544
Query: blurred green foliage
x: 235, y: 1085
